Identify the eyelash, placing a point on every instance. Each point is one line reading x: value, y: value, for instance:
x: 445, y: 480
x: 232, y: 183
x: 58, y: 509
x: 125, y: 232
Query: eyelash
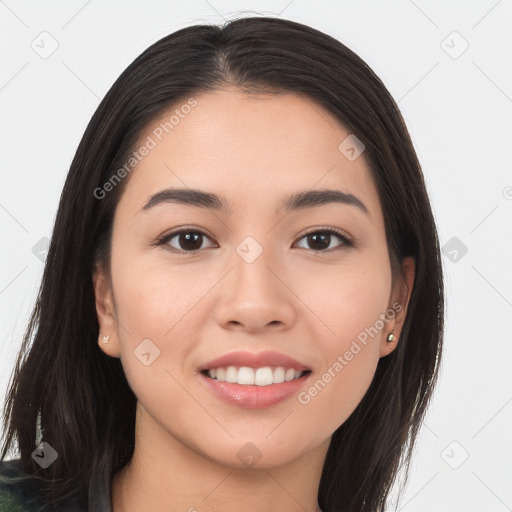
x: 347, y: 242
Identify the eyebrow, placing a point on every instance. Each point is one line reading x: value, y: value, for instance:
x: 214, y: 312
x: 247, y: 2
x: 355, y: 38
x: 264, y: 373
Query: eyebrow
x: 297, y: 201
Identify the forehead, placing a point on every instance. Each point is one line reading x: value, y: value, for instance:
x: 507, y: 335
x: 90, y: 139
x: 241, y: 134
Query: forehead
x: 247, y: 148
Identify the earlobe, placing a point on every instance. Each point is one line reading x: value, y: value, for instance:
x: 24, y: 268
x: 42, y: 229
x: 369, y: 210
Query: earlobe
x: 111, y: 348
x: 389, y: 344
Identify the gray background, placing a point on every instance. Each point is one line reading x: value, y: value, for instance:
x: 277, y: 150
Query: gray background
x: 457, y: 102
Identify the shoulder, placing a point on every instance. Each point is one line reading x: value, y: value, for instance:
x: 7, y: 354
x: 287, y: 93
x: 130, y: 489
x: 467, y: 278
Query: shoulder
x: 21, y: 491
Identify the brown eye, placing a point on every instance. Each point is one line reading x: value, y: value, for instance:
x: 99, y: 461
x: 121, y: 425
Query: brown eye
x: 322, y: 240
x: 184, y: 241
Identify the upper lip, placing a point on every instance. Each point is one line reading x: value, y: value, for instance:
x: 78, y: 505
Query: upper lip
x: 254, y: 360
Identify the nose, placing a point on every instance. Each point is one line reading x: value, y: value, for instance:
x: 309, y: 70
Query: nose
x: 255, y: 297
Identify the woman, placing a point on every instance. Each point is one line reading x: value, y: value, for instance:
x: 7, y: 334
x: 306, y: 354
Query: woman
x: 242, y: 304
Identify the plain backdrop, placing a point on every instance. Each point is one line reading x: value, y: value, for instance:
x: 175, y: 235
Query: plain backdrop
x: 448, y: 67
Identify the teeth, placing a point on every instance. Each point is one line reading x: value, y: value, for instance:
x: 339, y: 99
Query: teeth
x: 231, y: 374
x: 249, y: 376
x: 264, y: 376
x: 289, y: 375
x: 279, y: 375
x: 245, y: 375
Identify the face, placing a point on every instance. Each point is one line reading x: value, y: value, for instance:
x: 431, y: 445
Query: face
x: 241, y: 275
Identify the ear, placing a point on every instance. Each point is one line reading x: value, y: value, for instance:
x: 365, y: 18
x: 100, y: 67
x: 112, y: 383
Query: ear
x: 397, y: 308
x: 106, y: 313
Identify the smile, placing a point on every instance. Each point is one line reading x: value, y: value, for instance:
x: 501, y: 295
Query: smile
x: 263, y: 376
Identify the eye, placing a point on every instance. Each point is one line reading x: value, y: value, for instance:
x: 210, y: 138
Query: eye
x: 188, y: 240
x: 191, y: 240
x: 321, y: 240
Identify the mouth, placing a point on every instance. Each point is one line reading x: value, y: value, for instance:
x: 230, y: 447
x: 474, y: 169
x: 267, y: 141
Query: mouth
x: 254, y: 380
x: 248, y: 376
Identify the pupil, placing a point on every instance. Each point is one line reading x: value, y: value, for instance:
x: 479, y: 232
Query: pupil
x: 324, y: 236
x: 187, y: 237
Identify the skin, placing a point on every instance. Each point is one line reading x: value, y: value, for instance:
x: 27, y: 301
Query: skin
x: 308, y: 304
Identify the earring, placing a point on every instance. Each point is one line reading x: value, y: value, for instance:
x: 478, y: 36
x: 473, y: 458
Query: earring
x: 390, y: 338
x: 106, y: 338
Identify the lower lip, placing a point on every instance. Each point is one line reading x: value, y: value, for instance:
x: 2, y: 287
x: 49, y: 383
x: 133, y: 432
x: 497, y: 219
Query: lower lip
x: 255, y: 397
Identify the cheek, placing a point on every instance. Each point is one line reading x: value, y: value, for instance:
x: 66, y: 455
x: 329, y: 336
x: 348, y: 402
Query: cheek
x: 350, y: 355
x: 352, y: 306
x: 153, y: 297
x: 335, y: 392
x: 155, y: 312
x: 346, y: 299
x: 157, y: 332
x: 156, y: 317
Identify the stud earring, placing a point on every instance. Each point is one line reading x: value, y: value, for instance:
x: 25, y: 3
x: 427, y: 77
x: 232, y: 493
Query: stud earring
x: 106, y: 338
x: 390, y: 338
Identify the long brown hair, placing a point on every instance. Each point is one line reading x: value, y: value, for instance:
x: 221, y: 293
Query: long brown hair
x: 61, y: 375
